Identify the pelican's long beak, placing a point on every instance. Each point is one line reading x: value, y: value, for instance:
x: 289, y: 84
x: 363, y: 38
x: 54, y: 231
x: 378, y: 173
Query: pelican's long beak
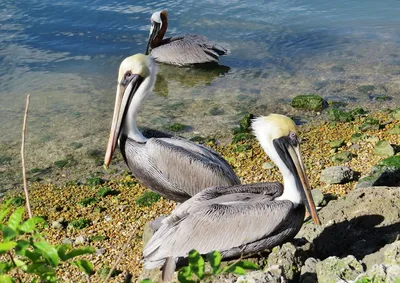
x: 125, y: 91
x: 293, y: 159
x: 154, y: 29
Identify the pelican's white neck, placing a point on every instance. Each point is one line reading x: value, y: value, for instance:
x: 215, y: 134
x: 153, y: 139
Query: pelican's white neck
x: 291, y: 192
x: 129, y: 127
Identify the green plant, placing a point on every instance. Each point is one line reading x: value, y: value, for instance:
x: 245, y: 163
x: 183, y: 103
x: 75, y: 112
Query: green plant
x: 147, y: 199
x: 196, y: 271
x: 106, y: 191
x: 87, y: 201
x: 80, y: 223
x: 30, y: 253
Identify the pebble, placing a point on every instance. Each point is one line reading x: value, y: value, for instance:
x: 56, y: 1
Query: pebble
x: 80, y: 240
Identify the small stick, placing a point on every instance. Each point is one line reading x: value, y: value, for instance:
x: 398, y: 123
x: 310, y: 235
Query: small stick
x: 23, y: 158
x: 120, y: 256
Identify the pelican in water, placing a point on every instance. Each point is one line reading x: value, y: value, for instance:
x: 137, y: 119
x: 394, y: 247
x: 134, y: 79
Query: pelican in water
x: 242, y: 219
x: 181, y: 50
x: 170, y: 166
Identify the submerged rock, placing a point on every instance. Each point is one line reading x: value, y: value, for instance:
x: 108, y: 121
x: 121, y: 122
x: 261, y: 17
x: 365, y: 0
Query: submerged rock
x: 310, y: 101
x: 334, y: 269
x: 337, y: 175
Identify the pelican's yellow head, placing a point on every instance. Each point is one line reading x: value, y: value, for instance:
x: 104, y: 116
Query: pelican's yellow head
x: 277, y: 135
x: 137, y: 64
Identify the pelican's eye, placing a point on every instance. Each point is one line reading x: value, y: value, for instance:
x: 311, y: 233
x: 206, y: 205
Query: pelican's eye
x: 127, y: 78
x: 294, y: 141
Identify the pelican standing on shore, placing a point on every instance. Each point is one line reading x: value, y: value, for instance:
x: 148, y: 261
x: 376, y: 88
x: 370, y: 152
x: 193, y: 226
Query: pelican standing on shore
x: 181, y: 50
x: 170, y: 166
x: 242, y: 219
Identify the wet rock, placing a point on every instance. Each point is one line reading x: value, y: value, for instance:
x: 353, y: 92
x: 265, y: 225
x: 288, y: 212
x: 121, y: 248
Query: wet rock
x: 385, y: 173
x: 271, y: 275
x: 395, y: 130
x: 336, y: 143
x: 312, y: 102
x: 342, y: 157
x: 308, y: 271
x: 337, y: 175
x: 334, y: 269
x: 383, y: 148
x: 290, y: 257
x: 318, y: 197
x: 340, y: 115
x: 366, y: 89
x: 360, y: 224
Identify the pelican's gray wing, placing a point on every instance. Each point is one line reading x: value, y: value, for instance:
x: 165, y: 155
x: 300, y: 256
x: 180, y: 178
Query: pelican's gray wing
x: 244, y: 216
x: 189, y: 166
x: 188, y: 49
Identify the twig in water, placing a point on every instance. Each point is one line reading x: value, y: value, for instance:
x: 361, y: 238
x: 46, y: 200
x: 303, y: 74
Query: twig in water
x: 120, y: 256
x: 23, y: 158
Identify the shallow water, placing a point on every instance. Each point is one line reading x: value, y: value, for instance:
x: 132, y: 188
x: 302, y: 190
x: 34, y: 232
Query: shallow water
x: 66, y: 55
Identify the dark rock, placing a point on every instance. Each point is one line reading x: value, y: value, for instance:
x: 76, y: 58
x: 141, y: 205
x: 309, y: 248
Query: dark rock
x: 312, y: 102
x: 385, y: 173
x: 337, y: 175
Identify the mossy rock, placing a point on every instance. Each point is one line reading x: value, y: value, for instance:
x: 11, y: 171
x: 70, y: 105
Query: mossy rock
x: 97, y: 238
x: 344, y: 156
x: 245, y: 122
x: 393, y: 161
x: 310, y: 101
x: 337, y: 69
x: 80, y: 223
x: 215, y: 111
x: 366, y: 89
x: 358, y: 111
x: 94, y: 181
x: 336, y: 143
x: 369, y: 124
x: 383, y: 148
x: 5, y: 159
x: 147, y: 199
x: 395, y: 130
x: 87, y: 201
x: 61, y: 163
x: 382, y: 97
x: 106, y: 191
x: 338, y: 115
x: 242, y: 148
x: 396, y: 113
x: 176, y: 127
x: 76, y: 145
x: 356, y: 137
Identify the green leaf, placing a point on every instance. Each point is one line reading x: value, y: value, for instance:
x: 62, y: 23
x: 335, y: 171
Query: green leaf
x: 146, y: 281
x: 9, y: 233
x: 6, y: 246
x: 84, y: 265
x: 185, y: 275
x: 45, y: 272
x: 6, y: 279
x: 245, y: 264
x: 196, y: 263
x: 29, y: 225
x: 214, y: 258
x: 235, y: 269
x: 48, y: 251
x: 21, y: 247
x: 62, y: 251
x: 78, y: 252
x: 15, y: 218
x: 21, y: 264
x: 33, y: 256
x: 5, y: 267
x: 3, y: 212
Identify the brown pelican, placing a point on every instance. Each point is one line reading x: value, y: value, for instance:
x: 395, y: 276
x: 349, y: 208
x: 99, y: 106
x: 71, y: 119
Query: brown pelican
x: 181, y: 50
x: 241, y: 219
x: 171, y: 166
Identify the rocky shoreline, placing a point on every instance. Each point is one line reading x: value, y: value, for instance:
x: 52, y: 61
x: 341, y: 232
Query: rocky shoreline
x: 360, y: 225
